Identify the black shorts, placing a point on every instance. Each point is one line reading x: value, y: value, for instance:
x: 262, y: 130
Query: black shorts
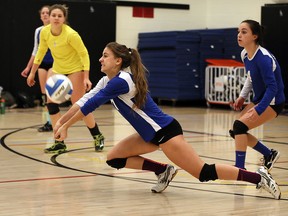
x: 278, y: 108
x: 166, y: 133
x: 45, y: 66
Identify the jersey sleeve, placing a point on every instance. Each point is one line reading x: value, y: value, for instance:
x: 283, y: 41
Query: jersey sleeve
x: 35, y: 47
x: 246, y: 88
x: 76, y: 42
x: 113, y: 89
x: 266, y: 68
x: 42, y: 48
x: 100, y: 85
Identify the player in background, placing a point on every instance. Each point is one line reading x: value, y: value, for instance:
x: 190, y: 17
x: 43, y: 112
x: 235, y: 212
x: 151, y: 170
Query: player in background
x: 264, y: 77
x: 128, y: 92
x: 44, y: 68
x: 71, y: 58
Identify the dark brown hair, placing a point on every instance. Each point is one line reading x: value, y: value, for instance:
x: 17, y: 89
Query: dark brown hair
x: 131, y: 58
x: 256, y: 29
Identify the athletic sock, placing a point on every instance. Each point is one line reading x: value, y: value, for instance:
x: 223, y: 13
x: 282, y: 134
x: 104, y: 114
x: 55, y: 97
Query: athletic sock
x: 247, y: 176
x: 94, y: 131
x: 44, y: 99
x: 154, y: 166
x: 48, y: 117
x: 240, y: 159
x: 260, y: 147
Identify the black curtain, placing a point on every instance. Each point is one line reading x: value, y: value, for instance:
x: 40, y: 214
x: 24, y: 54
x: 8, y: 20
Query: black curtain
x: 94, y: 21
x: 274, y: 17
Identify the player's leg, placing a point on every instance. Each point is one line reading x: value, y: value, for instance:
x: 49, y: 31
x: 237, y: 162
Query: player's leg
x: 42, y: 75
x: 245, y: 109
x: 54, y: 113
x: 77, y: 80
x: 270, y: 156
x: 130, y: 148
x: 183, y: 155
x: 127, y: 154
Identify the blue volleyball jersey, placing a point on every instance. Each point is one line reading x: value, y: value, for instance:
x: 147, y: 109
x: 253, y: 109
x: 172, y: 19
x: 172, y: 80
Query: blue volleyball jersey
x: 264, y: 72
x: 48, y: 59
x: 121, y: 91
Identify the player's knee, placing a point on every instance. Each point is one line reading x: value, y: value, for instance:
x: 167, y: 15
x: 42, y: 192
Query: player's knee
x: 117, y: 163
x: 208, y: 173
x: 239, y: 127
x: 53, y: 108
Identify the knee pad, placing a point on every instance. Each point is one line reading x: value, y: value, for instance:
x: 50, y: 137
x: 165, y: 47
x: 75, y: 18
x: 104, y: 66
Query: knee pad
x: 208, y: 173
x: 117, y: 163
x: 239, y: 127
x: 231, y: 133
x: 53, y: 108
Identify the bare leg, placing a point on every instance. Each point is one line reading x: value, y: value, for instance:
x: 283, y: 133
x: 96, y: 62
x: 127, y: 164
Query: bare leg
x: 42, y: 75
x: 131, y: 147
x: 77, y: 80
x: 183, y: 155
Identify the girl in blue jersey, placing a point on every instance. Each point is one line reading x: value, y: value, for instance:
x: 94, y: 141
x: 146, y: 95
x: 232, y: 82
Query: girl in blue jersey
x: 128, y: 92
x: 44, y: 68
x: 264, y: 77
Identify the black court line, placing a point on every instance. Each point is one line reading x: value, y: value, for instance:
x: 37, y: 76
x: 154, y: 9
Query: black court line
x: 141, y: 180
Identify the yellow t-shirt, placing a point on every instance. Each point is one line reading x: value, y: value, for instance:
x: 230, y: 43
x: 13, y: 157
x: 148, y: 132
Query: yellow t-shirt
x: 68, y: 50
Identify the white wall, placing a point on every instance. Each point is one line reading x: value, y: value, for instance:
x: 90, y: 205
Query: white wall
x: 229, y: 13
x: 202, y: 14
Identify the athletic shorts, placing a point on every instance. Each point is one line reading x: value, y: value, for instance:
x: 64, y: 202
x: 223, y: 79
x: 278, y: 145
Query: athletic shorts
x: 168, y: 132
x: 278, y: 108
x: 45, y: 66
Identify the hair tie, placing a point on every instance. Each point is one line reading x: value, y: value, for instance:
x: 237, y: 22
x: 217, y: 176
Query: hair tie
x: 130, y: 51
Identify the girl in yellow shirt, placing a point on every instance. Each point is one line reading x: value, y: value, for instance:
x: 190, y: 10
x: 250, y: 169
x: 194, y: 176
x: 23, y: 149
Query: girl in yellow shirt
x: 70, y: 58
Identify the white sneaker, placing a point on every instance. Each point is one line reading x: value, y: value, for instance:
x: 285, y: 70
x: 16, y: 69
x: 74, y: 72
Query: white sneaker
x: 268, y: 183
x: 164, y: 179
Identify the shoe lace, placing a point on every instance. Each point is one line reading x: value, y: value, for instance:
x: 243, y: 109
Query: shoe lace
x: 163, y: 176
x: 265, y: 159
x: 57, y: 142
x: 262, y: 161
x: 162, y: 179
x: 98, y: 139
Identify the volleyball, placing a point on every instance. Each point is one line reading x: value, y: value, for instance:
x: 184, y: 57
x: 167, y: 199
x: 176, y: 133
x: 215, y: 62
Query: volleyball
x: 58, y: 88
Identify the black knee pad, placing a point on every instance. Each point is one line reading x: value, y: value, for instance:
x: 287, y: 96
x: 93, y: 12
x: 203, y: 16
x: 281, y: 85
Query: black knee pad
x: 208, y: 173
x: 239, y: 127
x: 117, y: 163
x: 231, y: 133
x: 53, y: 108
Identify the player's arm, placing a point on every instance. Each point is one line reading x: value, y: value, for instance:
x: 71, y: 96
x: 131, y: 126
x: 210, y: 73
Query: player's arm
x: 27, y: 69
x: 64, y: 118
x: 73, y: 115
x: 42, y: 49
x: 76, y: 42
x: 31, y: 78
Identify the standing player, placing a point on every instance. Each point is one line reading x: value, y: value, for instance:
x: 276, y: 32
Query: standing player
x: 44, y: 68
x: 70, y: 58
x: 128, y: 92
x: 264, y: 77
